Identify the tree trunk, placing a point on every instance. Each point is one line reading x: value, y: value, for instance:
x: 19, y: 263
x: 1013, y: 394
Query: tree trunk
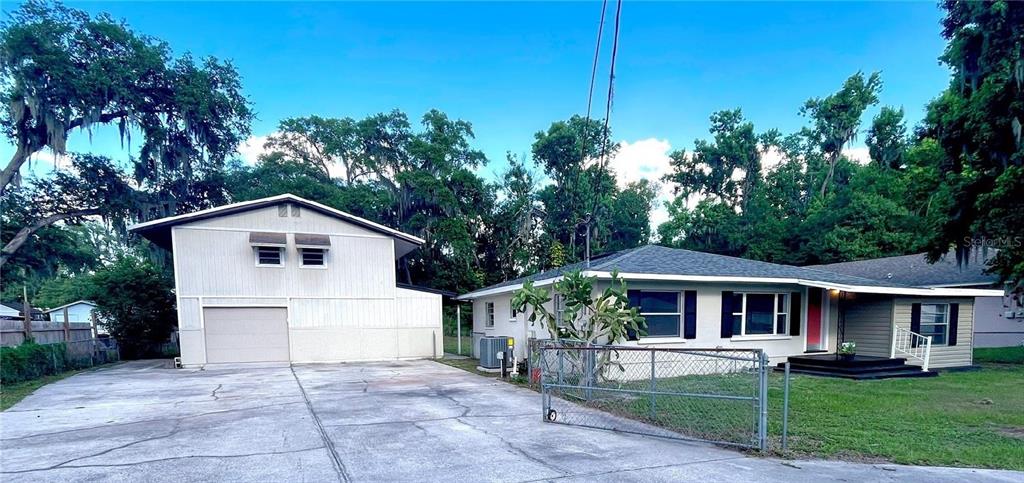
x: 22, y: 236
x: 11, y: 171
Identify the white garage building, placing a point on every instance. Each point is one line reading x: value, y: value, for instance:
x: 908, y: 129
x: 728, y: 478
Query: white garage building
x: 284, y: 279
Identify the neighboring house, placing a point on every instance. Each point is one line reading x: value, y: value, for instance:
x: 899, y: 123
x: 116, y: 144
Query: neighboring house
x: 8, y: 312
x: 701, y: 300
x: 287, y: 279
x: 80, y: 312
x: 15, y: 310
x: 998, y: 320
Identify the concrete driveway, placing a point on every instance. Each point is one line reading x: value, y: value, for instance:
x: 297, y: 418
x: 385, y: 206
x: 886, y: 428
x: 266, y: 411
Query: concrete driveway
x: 401, y: 421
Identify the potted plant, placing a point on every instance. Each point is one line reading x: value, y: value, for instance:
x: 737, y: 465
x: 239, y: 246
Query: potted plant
x: 847, y: 350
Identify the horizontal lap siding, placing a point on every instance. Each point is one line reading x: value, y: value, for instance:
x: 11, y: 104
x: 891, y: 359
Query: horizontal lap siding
x: 869, y: 323
x: 945, y: 356
x: 222, y: 264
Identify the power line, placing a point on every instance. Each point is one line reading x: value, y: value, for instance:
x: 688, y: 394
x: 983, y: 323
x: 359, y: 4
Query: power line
x: 603, y: 160
x: 586, y: 128
x: 611, y: 82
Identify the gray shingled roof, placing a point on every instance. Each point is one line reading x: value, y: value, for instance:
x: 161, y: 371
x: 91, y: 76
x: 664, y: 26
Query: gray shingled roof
x: 659, y: 260
x: 914, y: 270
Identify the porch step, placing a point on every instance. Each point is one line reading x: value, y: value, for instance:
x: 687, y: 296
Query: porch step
x: 908, y: 371
x: 861, y: 367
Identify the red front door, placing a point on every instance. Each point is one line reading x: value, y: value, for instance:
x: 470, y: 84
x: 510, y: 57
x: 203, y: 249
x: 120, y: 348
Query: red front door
x: 814, y: 339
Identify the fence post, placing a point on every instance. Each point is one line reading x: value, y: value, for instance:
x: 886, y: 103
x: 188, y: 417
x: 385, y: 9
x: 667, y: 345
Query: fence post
x: 762, y: 430
x: 561, y: 364
x: 785, y: 410
x: 653, y: 416
x: 545, y: 405
x: 588, y: 371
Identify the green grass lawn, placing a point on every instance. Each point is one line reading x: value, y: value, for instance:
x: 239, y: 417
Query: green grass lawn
x: 1000, y: 355
x: 451, y: 345
x: 969, y: 418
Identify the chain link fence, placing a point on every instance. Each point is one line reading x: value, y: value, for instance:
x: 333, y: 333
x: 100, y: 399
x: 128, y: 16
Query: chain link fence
x: 714, y: 395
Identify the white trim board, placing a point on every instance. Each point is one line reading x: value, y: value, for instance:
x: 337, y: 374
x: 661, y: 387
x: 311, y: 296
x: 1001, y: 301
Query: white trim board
x: 922, y: 291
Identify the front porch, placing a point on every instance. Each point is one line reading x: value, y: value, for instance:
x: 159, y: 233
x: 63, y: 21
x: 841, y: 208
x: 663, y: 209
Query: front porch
x: 885, y: 348
x: 859, y: 367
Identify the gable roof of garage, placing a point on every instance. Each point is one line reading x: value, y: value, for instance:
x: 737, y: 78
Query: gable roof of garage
x: 653, y: 262
x: 159, y: 231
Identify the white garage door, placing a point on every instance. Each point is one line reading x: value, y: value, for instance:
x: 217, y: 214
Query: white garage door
x: 246, y: 334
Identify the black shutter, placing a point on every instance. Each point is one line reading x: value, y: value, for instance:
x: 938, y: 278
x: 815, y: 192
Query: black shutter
x: 726, y: 315
x: 795, y: 312
x: 915, y: 322
x: 690, y: 314
x: 634, y: 301
x: 954, y: 316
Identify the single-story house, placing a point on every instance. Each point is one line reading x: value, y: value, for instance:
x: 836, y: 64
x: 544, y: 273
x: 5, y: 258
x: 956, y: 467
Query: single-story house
x: 80, y: 312
x: 701, y: 300
x: 998, y: 320
x: 285, y: 279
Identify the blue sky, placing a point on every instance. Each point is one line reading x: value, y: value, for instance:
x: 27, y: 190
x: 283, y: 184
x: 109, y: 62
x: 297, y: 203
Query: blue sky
x: 513, y: 68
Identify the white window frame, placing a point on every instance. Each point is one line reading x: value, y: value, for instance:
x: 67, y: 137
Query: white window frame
x: 513, y: 313
x: 280, y: 256
x: 678, y: 314
x: 775, y: 315
x: 302, y: 258
x: 937, y: 324
x: 489, y: 315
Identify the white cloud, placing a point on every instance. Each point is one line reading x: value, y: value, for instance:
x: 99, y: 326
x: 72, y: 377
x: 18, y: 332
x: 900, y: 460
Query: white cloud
x: 645, y: 159
x: 859, y: 155
x: 251, y: 149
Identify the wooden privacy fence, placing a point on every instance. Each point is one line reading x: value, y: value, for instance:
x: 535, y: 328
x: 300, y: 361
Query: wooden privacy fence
x: 12, y: 332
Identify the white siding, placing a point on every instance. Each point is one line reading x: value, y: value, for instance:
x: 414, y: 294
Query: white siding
x: 221, y: 263
x: 267, y: 219
x: 709, y: 310
x: 943, y: 355
x: 76, y: 313
x: 348, y: 310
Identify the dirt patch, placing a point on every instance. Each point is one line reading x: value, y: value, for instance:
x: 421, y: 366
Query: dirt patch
x: 1016, y: 433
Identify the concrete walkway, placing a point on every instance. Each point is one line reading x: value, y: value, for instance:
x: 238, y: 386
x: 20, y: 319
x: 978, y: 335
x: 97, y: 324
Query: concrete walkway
x: 401, y: 421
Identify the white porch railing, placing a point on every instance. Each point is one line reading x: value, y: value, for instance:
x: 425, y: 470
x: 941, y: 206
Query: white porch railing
x: 913, y: 345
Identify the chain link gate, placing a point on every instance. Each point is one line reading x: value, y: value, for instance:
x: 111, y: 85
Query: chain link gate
x: 713, y: 395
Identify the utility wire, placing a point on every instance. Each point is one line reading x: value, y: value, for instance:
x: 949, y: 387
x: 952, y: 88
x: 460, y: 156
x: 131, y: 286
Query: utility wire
x: 586, y: 125
x: 603, y: 160
x: 611, y: 81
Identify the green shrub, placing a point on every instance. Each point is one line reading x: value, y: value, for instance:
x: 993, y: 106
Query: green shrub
x: 31, y: 361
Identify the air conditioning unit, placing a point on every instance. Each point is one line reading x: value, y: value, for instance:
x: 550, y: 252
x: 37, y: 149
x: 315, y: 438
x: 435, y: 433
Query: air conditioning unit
x: 489, y: 349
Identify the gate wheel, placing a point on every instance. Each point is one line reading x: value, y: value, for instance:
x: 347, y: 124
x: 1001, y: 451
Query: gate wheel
x: 552, y: 415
